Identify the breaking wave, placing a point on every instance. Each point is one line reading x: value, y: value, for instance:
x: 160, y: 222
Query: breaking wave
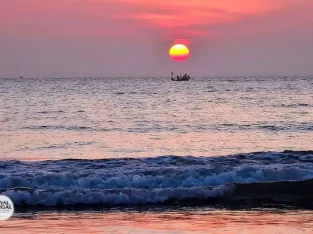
x: 263, y: 176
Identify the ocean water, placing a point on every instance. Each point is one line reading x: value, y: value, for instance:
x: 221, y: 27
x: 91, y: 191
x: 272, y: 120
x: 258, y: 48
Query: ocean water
x: 106, y: 143
x: 90, y: 118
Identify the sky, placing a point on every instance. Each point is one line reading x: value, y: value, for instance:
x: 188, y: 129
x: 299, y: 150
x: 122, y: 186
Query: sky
x: 100, y: 38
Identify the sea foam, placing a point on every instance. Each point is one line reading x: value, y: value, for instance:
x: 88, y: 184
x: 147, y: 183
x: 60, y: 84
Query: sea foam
x: 150, y: 180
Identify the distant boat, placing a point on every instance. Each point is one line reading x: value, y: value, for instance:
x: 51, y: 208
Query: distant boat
x: 21, y: 77
x: 181, y: 78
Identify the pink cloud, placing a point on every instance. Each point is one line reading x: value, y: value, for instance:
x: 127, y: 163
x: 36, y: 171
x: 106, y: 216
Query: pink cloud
x: 195, y: 15
x: 100, y: 18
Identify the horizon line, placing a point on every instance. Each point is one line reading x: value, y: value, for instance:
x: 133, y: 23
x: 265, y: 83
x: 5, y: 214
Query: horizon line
x: 156, y: 77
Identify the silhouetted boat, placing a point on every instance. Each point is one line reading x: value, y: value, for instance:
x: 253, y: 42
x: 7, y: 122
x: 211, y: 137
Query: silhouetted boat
x: 181, y: 78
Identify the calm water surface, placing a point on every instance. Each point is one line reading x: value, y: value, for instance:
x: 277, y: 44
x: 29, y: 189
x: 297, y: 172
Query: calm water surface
x: 143, y: 117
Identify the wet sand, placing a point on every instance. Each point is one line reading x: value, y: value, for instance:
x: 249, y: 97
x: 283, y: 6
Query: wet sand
x: 183, y: 221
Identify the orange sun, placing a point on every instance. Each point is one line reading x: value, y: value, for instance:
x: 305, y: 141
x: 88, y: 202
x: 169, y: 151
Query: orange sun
x: 179, y: 52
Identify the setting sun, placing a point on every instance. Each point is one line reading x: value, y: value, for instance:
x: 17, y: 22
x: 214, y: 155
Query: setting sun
x: 179, y: 52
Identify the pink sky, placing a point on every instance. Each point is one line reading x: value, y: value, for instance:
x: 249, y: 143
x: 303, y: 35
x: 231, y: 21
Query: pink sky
x: 131, y: 37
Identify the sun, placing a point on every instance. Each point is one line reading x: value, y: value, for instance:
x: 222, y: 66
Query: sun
x: 179, y: 52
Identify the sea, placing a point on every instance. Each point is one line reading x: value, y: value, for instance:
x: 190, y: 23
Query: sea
x: 150, y: 155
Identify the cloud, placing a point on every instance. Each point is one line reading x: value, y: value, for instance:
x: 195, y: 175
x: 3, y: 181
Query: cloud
x: 100, y: 18
x: 192, y: 15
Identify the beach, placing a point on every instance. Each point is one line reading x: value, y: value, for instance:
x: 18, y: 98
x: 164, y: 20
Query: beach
x: 170, y: 221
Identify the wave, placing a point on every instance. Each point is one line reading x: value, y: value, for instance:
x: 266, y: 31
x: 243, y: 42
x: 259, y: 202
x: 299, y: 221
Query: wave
x: 70, y: 128
x: 296, y: 105
x: 287, y: 192
x: 143, y: 127
x: 50, y: 112
x: 108, y: 197
x: 260, y: 176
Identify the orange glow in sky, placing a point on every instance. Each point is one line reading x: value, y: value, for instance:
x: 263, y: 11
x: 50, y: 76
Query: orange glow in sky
x: 194, y: 17
x: 269, y: 35
x: 179, y: 52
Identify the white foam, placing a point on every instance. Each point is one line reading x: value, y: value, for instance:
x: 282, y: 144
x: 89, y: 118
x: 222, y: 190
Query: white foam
x: 111, y: 197
x: 185, y: 177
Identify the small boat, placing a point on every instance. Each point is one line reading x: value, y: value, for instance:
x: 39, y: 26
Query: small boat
x: 181, y: 78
